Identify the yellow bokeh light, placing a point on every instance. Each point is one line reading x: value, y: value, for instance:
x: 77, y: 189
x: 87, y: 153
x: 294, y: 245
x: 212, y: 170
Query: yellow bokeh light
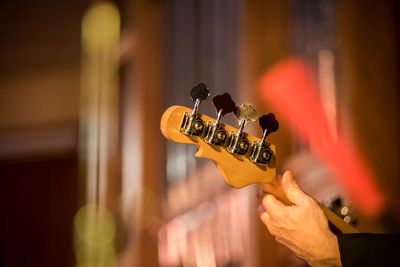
x: 95, y: 225
x: 94, y: 236
x: 101, y: 25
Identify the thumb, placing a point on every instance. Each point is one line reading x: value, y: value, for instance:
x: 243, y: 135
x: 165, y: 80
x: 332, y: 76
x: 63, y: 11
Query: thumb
x: 291, y: 189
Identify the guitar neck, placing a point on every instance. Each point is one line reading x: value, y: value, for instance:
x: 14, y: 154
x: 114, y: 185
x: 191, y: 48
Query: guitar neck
x: 275, y: 188
x: 338, y: 222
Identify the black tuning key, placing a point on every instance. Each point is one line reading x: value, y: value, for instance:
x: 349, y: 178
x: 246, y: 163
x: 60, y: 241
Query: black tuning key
x: 192, y: 125
x: 224, y: 105
x: 268, y: 124
x: 238, y: 144
x: 215, y: 135
x: 260, y: 152
x: 199, y: 93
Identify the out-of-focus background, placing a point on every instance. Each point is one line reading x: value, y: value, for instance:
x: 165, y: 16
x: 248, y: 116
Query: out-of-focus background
x: 87, y: 179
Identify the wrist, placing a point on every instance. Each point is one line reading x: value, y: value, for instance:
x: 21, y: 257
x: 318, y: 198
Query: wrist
x: 329, y: 254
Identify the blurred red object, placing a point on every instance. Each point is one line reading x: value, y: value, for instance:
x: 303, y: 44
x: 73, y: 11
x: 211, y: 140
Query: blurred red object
x: 291, y: 89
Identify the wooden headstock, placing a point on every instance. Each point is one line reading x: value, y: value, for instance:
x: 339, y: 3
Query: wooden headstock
x: 237, y: 170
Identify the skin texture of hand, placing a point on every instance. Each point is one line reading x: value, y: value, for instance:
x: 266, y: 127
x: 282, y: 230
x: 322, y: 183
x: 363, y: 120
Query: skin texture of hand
x: 302, y: 227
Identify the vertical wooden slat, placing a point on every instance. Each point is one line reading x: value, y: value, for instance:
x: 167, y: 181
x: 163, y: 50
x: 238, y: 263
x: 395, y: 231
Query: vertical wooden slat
x: 264, y: 34
x: 368, y: 88
x: 145, y: 21
x: 99, y: 102
x: 99, y: 135
x: 263, y: 42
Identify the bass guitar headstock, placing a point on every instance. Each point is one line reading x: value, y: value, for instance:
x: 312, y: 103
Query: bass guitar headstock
x: 241, y: 158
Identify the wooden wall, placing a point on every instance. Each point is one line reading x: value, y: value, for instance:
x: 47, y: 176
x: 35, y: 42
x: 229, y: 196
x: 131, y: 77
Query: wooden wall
x: 263, y: 42
x: 39, y: 99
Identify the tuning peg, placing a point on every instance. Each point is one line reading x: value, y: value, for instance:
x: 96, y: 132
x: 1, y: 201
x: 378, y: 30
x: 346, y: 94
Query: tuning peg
x: 245, y: 114
x: 199, y: 93
x: 215, y: 135
x: 192, y: 125
x: 268, y: 124
x: 239, y: 144
x: 260, y: 152
x: 223, y: 104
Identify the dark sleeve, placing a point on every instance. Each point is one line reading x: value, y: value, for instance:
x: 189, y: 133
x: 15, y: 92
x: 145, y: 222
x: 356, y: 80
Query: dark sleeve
x: 369, y: 249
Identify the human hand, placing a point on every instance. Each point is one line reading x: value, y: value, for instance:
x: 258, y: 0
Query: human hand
x: 302, y: 227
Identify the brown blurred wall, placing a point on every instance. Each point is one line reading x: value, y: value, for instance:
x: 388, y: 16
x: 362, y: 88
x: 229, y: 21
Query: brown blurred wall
x: 368, y: 91
x: 39, y: 98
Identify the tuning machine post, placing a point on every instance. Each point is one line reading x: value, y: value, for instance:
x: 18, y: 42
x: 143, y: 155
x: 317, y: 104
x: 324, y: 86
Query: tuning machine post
x: 260, y: 153
x: 238, y: 143
x: 344, y: 211
x: 215, y: 134
x: 191, y: 124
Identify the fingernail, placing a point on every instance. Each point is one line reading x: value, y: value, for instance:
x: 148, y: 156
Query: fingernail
x: 260, y: 194
x: 260, y: 210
